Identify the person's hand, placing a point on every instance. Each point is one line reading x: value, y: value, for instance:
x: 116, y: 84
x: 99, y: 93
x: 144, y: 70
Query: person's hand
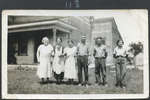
x: 65, y: 54
x: 38, y: 60
x: 61, y: 55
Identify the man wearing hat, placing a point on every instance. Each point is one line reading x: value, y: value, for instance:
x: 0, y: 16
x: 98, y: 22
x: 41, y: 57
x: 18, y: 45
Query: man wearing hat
x: 100, y: 55
x: 82, y: 60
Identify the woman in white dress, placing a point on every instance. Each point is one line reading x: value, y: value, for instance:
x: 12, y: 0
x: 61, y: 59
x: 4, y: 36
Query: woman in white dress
x: 70, y: 68
x: 58, y: 62
x: 44, y: 51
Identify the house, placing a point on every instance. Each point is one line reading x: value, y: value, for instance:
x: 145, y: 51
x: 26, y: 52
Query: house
x: 25, y: 34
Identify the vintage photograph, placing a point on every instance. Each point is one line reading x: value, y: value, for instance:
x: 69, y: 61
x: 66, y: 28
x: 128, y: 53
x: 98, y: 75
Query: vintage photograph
x: 83, y: 54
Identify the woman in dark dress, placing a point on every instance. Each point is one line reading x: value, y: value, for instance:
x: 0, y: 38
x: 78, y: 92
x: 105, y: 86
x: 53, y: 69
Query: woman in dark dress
x: 58, y: 62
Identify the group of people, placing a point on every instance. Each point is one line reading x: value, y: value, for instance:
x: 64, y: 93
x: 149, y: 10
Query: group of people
x: 61, y: 62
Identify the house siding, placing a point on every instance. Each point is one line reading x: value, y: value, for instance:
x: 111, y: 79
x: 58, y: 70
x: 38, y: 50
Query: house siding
x: 29, y: 59
x: 107, y: 29
x: 83, y: 29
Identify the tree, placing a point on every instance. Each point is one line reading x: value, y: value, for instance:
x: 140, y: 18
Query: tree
x: 137, y: 47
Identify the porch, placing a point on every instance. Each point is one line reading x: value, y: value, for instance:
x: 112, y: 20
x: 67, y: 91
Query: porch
x: 24, y: 39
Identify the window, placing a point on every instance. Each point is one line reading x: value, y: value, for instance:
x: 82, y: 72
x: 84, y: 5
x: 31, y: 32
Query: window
x: 22, y: 47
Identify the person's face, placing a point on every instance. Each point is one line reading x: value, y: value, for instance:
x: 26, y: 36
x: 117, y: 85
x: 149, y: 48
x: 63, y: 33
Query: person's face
x: 98, y: 41
x: 46, y: 42
x: 58, y: 41
x: 70, y: 44
x: 120, y: 43
x: 83, y: 40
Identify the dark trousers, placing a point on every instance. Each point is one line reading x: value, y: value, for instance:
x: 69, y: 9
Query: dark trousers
x: 100, y: 70
x: 59, y: 77
x: 120, y: 71
x: 82, y: 62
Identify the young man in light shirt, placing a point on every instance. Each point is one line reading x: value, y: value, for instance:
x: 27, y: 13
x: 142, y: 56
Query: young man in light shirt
x: 82, y: 61
x: 100, y: 55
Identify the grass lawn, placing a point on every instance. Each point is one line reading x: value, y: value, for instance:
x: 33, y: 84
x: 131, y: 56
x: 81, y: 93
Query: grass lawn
x: 26, y: 82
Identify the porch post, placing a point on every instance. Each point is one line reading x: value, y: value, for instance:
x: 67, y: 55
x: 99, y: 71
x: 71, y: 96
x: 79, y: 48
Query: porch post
x: 69, y: 34
x: 54, y: 36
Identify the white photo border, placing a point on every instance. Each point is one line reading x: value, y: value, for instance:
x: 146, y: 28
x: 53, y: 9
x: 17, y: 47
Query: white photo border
x: 20, y: 12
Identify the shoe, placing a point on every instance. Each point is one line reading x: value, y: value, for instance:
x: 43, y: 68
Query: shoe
x: 43, y: 82
x: 100, y: 83
x: 72, y: 82
x: 123, y: 86
x: 116, y: 84
x: 96, y: 84
x: 86, y: 85
x: 96, y: 81
x: 106, y: 85
x: 69, y: 82
x: 79, y: 84
x: 47, y: 79
x: 58, y: 83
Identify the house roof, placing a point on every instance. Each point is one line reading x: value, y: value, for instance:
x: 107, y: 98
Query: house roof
x: 60, y: 25
x: 98, y: 20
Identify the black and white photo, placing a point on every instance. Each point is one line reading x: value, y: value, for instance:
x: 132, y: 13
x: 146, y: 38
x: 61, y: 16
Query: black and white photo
x: 75, y: 54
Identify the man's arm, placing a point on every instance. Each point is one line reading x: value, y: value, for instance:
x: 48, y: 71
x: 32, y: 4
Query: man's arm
x: 77, y: 50
x: 114, y: 54
x: 94, y: 52
x: 88, y: 52
x: 105, y: 52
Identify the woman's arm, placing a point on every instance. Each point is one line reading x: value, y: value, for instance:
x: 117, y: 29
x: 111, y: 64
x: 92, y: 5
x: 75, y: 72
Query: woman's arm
x: 38, y: 54
x: 53, y: 52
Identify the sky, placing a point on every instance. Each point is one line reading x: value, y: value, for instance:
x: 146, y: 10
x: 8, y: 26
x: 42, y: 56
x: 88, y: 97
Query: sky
x: 132, y: 24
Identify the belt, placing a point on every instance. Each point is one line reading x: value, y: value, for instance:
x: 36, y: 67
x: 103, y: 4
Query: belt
x: 99, y: 57
x: 82, y: 55
x: 120, y: 56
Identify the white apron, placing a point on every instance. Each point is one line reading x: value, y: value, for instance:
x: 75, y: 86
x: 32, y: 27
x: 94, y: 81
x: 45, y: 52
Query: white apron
x: 44, y: 68
x: 70, y: 68
x: 58, y: 62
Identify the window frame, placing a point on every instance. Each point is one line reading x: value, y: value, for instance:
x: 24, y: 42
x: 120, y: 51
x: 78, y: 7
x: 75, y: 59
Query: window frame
x: 20, y: 42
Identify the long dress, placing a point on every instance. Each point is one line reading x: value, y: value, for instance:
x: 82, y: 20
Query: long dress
x: 44, y: 57
x: 58, y: 63
x: 70, y: 68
